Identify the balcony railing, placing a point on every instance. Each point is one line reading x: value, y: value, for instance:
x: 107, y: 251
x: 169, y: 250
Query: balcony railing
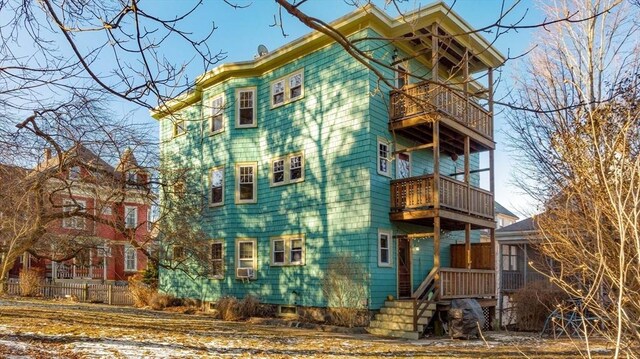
x: 425, y: 97
x: 467, y: 283
x: 71, y: 271
x: 418, y: 192
x: 514, y: 280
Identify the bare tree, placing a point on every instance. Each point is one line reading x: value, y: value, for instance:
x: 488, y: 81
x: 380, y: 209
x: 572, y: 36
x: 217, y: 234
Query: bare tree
x: 580, y: 145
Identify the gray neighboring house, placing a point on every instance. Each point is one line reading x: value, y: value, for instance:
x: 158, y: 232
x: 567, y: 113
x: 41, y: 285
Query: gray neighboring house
x: 513, y: 262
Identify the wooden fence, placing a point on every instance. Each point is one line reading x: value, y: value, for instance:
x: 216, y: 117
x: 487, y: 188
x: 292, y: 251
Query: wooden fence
x: 83, y: 292
x: 481, y: 256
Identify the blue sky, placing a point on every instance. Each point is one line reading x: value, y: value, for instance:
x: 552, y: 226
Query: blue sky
x: 240, y: 31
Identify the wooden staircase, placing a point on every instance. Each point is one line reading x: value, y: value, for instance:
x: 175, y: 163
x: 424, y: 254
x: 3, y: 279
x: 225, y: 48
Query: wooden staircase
x: 408, y: 318
x: 396, y: 319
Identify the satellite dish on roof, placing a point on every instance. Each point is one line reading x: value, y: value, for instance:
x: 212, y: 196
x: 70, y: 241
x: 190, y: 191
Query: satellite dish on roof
x: 262, y: 50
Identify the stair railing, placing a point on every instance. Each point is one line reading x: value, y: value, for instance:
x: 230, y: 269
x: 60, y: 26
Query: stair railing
x: 426, y: 294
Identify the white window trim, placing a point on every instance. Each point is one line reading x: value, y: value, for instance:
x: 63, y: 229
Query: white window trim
x: 126, y: 215
x: 254, y: 165
x: 287, y: 250
x: 77, y: 175
x: 67, y: 203
x: 175, y: 128
x: 128, y: 248
x: 254, y: 241
x: 255, y: 109
x: 403, y: 67
x: 210, y: 109
x: 221, y: 203
x: 400, y: 148
x: 222, y: 261
x: 287, y: 92
x: 389, y: 248
x: 287, y: 169
x: 378, y: 158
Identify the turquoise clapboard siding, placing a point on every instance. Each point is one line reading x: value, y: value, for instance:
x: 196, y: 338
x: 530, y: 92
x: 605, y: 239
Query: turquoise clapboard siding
x: 343, y: 201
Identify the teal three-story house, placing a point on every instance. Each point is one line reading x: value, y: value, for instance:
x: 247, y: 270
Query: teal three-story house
x: 307, y: 155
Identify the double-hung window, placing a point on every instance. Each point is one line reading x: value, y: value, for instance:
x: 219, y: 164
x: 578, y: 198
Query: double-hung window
x: 216, y: 124
x: 510, y: 257
x: 74, y: 222
x: 246, y: 183
x: 402, y: 76
x: 246, y: 107
x: 246, y: 258
x: 287, y: 250
x: 287, y: 89
x: 130, y: 258
x: 288, y: 169
x: 384, y: 156
x: 130, y: 217
x: 179, y: 128
x: 74, y: 173
x: 384, y: 249
x: 216, y: 179
x: 217, y: 259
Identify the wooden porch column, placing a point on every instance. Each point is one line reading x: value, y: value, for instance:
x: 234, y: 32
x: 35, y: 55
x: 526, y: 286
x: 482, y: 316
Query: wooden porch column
x: 467, y: 243
x: 492, y: 189
x: 436, y: 248
x: 526, y: 263
x: 104, y: 264
x: 467, y: 172
x: 435, y: 52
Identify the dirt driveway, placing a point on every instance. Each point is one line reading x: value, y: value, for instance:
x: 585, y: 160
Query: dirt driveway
x: 45, y: 329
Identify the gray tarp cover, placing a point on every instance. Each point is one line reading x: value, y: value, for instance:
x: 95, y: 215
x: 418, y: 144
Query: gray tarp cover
x: 464, y: 317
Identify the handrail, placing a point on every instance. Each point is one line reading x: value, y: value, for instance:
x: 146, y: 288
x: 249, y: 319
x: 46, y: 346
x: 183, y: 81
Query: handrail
x: 398, y: 180
x: 421, y: 295
x: 418, y: 292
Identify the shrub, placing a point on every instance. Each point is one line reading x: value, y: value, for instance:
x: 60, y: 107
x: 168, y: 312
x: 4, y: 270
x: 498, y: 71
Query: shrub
x: 228, y: 308
x: 160, y: 301
x: 249, y: 307
x: 142, y: 293
x: 534, y: 302
x: 345, y: 287
x: 30, y: 281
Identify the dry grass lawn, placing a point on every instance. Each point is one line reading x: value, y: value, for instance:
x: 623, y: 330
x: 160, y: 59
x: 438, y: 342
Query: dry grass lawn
x: 46, y: 329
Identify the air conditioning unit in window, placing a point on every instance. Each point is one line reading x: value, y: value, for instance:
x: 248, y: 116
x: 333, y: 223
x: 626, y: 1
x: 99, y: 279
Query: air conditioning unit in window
x: 244, y: 273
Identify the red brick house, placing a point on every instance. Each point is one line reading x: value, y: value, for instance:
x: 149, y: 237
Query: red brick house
x: 119, y: 196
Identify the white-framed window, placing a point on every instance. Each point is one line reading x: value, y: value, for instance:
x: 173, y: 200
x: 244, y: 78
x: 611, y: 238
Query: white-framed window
x: 246, y: 258
x: 106, y: 210
x: 74, y: 173
x: 73, y: 206
x: 216, y: 186
x: 179, y: 128
x: 287, y: 89
x: 132, y: 179
x: 149, y: 219
x: 287, y: 250
x: 216, y: 252
x: 403, y: 165
x: 216, y: 123
x: 130, y: 216
x: 277, y: 93
x: 246, y: 183
x: 384, y: 157
x: 130, y: 258
x: 246, y: 107
x: 402, y: 76
x: 384, y: 249
x: 287, y: 169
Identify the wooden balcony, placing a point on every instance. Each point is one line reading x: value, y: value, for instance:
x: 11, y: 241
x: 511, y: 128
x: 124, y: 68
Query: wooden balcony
x: 413, y: 200
x: 419, y: 105
x: 467, y: 283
